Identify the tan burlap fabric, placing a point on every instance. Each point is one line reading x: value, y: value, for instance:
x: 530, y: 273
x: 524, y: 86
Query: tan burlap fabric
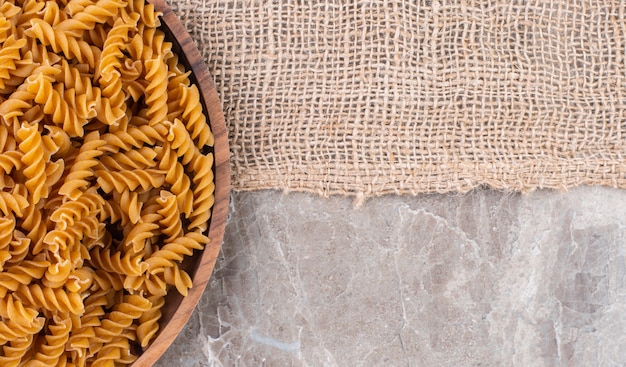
x: 402, y: 96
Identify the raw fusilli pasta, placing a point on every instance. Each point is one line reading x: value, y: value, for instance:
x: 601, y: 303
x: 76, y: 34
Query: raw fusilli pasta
x: 106, y: 180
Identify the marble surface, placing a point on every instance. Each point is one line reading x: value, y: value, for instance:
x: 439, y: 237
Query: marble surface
x: 482, y: 279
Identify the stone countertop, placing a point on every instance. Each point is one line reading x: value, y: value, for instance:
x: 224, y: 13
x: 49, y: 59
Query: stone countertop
x: 486, y: 278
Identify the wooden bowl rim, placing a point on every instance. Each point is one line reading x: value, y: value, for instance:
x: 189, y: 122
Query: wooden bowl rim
x: 219, y: 213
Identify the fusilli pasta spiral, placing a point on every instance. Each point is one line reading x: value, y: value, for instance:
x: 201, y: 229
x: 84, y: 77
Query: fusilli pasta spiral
x: 106, y: 180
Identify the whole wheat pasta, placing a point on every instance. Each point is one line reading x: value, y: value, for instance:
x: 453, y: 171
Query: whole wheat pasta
x: 106, y: 180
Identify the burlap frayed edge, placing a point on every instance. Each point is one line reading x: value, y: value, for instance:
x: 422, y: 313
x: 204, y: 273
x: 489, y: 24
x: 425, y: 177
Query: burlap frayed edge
x: 461, y: 177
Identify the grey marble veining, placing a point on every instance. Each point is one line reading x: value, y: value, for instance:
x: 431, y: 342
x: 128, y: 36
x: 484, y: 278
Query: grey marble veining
x: 482, y: 279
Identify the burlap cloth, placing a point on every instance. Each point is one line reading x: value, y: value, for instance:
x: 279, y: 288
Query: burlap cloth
x: 401, y: 96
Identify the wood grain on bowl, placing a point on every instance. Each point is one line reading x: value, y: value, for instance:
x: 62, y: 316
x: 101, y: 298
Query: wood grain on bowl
x: 178, y: 309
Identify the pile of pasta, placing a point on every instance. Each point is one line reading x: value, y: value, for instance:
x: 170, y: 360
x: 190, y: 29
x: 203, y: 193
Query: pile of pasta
x: 106, y: 180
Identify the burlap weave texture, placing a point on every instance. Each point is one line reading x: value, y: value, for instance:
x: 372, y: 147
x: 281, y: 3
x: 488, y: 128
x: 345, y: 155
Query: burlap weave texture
x: 398, y: 96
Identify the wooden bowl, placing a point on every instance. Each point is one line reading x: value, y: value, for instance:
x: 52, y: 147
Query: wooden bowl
x: 178, y: 309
